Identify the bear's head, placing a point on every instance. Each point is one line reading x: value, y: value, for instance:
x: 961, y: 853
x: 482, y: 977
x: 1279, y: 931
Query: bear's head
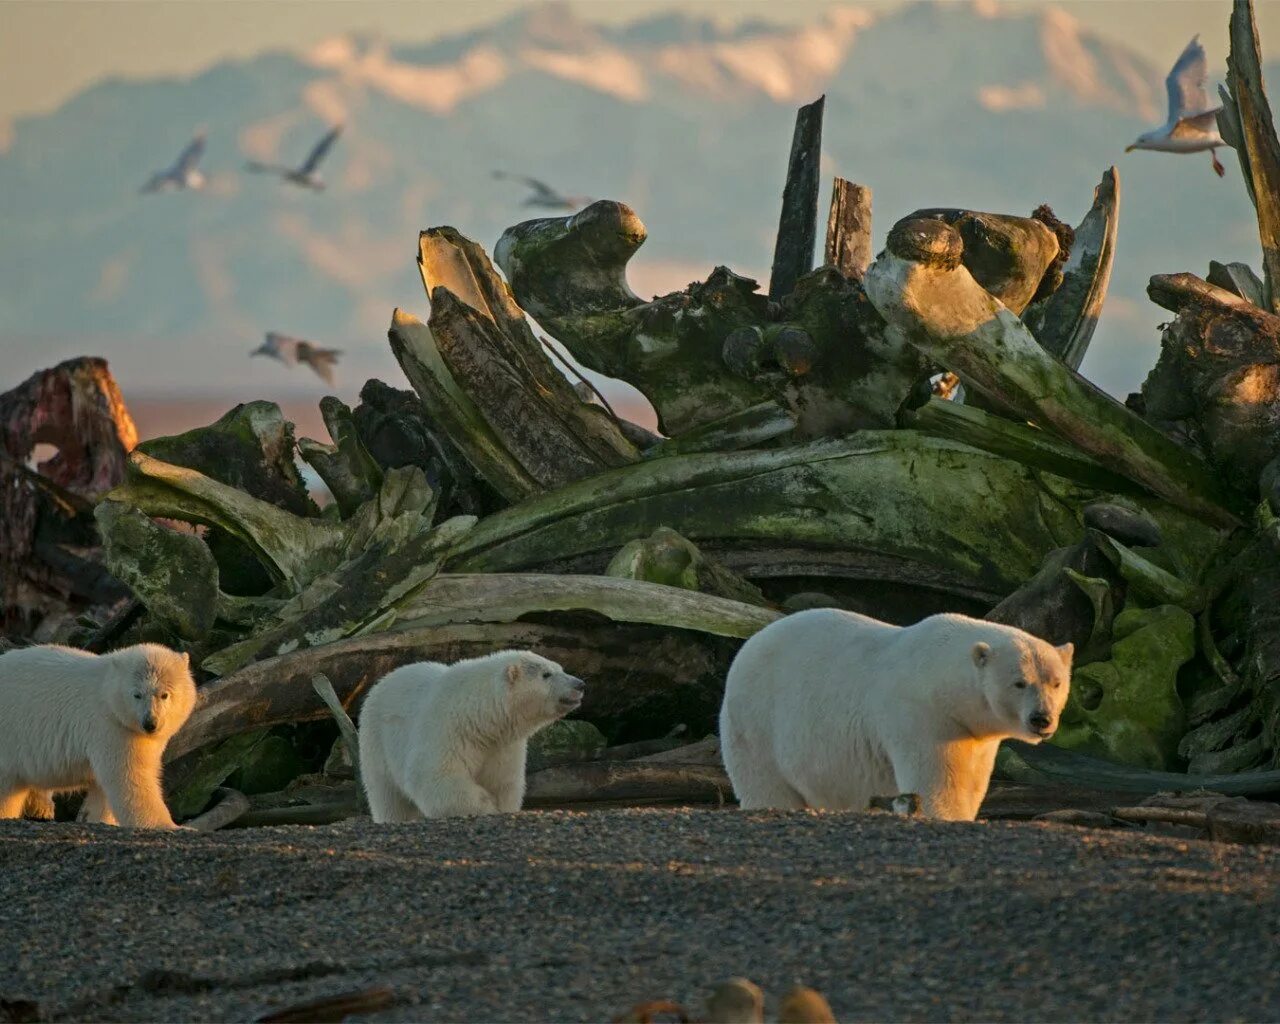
x: 1025, y: 682
x: 150, y: 689
x: 540, y: 691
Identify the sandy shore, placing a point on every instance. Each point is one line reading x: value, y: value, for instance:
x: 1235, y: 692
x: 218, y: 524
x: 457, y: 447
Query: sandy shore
x: 564, y: 916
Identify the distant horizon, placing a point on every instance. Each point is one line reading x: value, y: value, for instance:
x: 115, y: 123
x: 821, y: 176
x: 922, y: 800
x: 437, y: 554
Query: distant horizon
x: 54, y: 51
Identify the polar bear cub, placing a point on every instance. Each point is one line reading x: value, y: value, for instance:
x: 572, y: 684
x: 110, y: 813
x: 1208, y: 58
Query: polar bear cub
x: 827, y: 709
x: 440, y: 740
x: 73, y: 720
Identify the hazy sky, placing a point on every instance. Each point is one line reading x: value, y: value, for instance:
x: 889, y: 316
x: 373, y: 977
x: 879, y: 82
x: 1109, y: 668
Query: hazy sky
x: 50, y: 49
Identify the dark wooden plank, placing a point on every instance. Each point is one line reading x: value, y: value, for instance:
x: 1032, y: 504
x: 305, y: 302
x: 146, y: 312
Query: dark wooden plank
x: 848, y: 247
x: 798, y: 224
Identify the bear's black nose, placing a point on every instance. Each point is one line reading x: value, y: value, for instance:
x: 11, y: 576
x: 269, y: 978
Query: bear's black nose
x: 1039, y: 722
x: 150, y: 725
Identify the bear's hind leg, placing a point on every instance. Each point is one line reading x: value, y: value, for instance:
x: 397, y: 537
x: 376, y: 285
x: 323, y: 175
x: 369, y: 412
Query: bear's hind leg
x: 13, y: 798
x: 387, y: 805
x: 452, y: 795
x: 761, y: 786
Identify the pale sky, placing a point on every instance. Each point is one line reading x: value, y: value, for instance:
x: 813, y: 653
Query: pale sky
x: 51, y: 49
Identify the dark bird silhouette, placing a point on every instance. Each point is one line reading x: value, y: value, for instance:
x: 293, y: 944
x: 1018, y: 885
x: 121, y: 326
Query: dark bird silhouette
x: 305, y: 175
x: 292, y: 351
x: 544, y: 195
x: 183, y: 174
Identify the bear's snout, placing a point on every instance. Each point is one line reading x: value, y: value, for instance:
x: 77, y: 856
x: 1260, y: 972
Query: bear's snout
x: 1041, y: 723
x: 574, y: 690
x: 150, y: 724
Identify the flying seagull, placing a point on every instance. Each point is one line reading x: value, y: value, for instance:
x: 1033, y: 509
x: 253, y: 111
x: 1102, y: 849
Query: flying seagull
x: 305, y: 175
x: 544, y: 195
x: 292, y: 351
x: 1193, y: 125
x: 184, y: 173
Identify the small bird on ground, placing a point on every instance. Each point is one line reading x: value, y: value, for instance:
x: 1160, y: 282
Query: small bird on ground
x: 1192, y: 126
x: 292, y: 351
x: 305, y: 175
x: 544, y: 195
x: 183, y: 174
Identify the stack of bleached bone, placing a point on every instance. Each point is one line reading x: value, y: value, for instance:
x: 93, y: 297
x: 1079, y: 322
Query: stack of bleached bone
x: 803, y: 461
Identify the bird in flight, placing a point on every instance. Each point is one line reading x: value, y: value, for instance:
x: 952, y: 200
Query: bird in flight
x: 1192, y: 126
x: 184, y: 173
x: 544, y: 195
x: 292, y: 351
x: 305, y: 175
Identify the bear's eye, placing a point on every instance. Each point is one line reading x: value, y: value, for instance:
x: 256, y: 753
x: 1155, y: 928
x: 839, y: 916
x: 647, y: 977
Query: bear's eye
x: 546, y: 675
x: 137, y: 696
x: 164, y: 696
x: 1021, y: 684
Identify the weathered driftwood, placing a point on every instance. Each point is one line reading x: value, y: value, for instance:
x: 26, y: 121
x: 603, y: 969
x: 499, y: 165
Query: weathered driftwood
x: 1064, y: 322
x: 483, y: 338
x: 395, y: 430
x: 1239, y: 279
x: 798, y: 222
x: 1246, y: 124
x: 499, y: 597
x: 231, y: 805
x: 346, y: 729
x: 1046, y: 763
x: 848, y: 245
x: 628, y: 782
x: 635, y: 674
x: 352, y: 475
x: 921, y: 288
x: 1217, y: 381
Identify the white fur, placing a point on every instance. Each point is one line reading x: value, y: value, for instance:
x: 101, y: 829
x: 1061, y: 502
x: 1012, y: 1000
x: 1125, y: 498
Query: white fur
x: 440, y: 740
x: 73, y: 720
x: 827, y: 709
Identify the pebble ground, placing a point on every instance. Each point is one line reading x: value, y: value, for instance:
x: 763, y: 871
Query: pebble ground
x: 559, y: 916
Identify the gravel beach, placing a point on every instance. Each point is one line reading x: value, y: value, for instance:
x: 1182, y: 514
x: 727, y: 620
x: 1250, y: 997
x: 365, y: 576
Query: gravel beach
x: 577, y: 916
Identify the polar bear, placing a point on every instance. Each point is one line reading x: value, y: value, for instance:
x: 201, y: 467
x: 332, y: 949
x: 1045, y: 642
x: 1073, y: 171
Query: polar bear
x: 826, y: 709
x: 439, y: 740
x: 73, y: 720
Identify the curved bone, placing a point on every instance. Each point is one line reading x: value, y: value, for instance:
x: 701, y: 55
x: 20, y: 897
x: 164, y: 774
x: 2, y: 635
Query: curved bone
x: 948, y: 316
x: 1065, y: 322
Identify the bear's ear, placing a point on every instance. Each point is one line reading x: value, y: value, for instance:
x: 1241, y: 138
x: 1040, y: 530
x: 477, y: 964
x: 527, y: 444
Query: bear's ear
x: 981, y: 653
x: 513, y: 673
x: 1067, y: 650
x: 186, y: 659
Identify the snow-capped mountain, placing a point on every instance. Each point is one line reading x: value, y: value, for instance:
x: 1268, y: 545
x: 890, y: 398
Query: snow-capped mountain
x: 932, y: 104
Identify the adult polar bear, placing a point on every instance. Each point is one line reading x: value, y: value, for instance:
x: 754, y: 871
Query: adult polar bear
x: 827, y: 709
x: 440, y: 740
x: 73, y: 720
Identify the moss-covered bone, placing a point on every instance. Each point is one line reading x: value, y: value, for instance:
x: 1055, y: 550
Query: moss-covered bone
x: 293, y: 549
x: 919, y: 287
x: 173, y: 574
x: 893, y: 506
x: 1127, y: 708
